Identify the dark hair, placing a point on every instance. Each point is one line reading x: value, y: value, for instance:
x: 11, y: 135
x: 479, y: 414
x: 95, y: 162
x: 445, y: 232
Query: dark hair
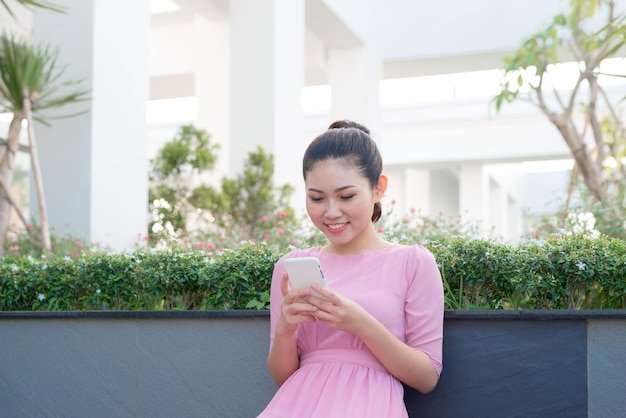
x: 349, y: 141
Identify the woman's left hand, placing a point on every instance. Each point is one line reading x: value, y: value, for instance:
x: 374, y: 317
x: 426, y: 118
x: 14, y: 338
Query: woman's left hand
x: 337, y: 311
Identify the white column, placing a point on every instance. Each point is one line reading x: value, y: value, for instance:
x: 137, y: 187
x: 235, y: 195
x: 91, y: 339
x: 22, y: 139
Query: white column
x: 474, y: 194
x: 267, y: 74
x: 20, y: 24
x: 94, y: 165
x: 498, y: 210
x: 444, y: 193
x: 417, y: 191
x: 514, y: 220
x: 355, y: 75
x: 212, y: 87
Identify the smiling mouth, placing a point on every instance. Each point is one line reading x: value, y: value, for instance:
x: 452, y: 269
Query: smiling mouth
x: 335, y: 227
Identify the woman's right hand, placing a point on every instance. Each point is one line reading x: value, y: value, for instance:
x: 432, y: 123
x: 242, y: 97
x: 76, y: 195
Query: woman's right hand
x: 294, y: 309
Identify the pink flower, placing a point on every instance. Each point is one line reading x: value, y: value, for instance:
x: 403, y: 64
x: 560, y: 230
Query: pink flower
x: 210, y: 246
x: 200, y: 245
x: 264, y: 218
x: 15, y: 250
x: 146, y: 238
x: 185, y: 240
x: 280, y: 232
x: 412, y: 210
x: 282, y: 214
x: 405, y: 220
x: 380, y: 229
x: 29, y: 227
x: 393, y: 201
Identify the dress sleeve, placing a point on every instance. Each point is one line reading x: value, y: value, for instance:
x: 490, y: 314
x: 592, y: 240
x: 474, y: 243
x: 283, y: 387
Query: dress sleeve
x: 275, y: 297
x: 424, y: 306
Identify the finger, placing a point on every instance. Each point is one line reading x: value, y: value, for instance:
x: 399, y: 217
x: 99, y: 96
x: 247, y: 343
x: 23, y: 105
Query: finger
x: 328, y: 294
x: 308, y: 317
x: 284, y: 284
x: 298, y: 312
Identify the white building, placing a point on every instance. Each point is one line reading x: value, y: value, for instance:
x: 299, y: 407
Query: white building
x: 241, y: 68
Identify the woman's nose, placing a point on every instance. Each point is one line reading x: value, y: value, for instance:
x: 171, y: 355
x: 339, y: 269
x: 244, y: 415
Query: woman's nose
x: 333, y: 210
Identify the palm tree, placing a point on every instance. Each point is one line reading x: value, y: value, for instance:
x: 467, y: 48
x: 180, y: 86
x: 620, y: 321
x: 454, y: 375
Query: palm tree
x: 32, y: 3
x: 29, y: 83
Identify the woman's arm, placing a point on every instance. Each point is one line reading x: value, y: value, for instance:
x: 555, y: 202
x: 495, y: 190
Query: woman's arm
x: 283, y: 357
x: 416, y: 362
x: 406, y: 363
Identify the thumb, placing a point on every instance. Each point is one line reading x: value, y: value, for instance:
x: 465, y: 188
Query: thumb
x: 284, y: 284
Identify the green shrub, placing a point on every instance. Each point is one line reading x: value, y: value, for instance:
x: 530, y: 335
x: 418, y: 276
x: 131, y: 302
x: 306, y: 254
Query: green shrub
x: 561, y: 272
x: 142, y: 280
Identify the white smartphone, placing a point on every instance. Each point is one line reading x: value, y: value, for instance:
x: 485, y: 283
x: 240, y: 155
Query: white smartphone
x: 305, y: 271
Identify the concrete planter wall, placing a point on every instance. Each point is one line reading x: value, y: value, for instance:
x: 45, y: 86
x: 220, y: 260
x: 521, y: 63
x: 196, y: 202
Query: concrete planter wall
x: 212, y: 364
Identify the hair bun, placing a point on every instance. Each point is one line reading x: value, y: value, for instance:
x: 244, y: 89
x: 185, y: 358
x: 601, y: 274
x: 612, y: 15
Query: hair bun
x: 342, y: 124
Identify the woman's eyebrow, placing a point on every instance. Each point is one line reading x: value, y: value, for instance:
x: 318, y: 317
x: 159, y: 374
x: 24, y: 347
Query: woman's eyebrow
x: 339, y: 189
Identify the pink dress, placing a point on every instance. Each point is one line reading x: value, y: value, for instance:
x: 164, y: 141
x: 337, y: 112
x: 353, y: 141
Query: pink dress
x: 338, y: 375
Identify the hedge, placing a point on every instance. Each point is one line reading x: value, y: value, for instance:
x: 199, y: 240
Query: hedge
x: 562, y: 272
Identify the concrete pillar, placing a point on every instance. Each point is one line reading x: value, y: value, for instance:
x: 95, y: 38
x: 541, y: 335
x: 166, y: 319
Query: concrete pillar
x: 267, y: 75
x: 212, y: 87
x: 474, y: 194
x: 498, y: 209
x: 19, y: 24
x: 417, y: 191
x: 444, y: 193
x: 355, y: 75
x: 94, y: 165
x: 514, y: 219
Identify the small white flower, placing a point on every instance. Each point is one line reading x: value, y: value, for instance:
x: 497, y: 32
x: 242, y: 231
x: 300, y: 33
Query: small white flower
x: 41, y: 297
x: 14, y: 268
x: 67, y: 258
x: 98, y: 291
x: 44, y: 266
x: 581, y: 265
x: 30, y: 258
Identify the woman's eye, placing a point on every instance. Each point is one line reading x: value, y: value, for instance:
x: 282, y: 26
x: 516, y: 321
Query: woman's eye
x: 347, y: 197
x: 315, y: 199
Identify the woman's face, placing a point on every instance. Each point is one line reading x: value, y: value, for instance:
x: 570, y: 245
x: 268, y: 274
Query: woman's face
x: 340, y: 202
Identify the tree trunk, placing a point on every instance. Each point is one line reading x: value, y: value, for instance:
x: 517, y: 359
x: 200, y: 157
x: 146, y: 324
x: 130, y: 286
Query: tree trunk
x: 34, y: 166
x: 587, y: 165
x: 6, y: 172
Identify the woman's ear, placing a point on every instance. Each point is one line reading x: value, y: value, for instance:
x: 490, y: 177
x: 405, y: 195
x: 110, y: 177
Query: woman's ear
x: 381, y: 187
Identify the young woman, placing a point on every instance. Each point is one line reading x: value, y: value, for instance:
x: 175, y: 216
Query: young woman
x: 381, y: 322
